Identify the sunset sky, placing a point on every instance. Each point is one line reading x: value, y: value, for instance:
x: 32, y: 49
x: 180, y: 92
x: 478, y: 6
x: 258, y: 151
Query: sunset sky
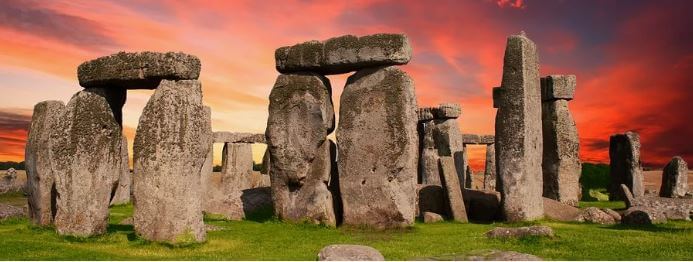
x: 633, y: 59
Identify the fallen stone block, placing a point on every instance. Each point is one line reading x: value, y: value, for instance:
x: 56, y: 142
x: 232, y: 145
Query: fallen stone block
x: 235, y: 137
x: 349, y: 253
x: 519, y: 232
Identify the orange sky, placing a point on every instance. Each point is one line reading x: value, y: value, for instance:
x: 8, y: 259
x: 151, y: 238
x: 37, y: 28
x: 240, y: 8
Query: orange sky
x: 632, y: 59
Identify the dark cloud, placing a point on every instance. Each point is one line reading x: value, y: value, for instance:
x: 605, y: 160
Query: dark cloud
x: 31, y: 17
x: 12, y: 121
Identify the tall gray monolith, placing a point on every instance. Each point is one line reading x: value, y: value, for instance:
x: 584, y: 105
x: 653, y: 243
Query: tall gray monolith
x: 300, y: 118
x: 123, y: 189
x: 85, y: 148
x: 625, y: 167
x: 224, y: 198
x: 378, y: 148
x: 171, y: 144
x: 490, y: 168
x: 448, y: 139
x: 40, y: 175
x: 674, y: 179
x: 561, y: 164
x: 518, y: 132
x: 428, y: 156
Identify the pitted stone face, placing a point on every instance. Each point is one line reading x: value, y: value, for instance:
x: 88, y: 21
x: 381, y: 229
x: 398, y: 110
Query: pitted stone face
x: 556, y: 87
x: 425, y: 113
x: 232, y: 137
x: 447, y: 110
x: 138, y: 70
x: 471, y: 139
x: 344, y: 54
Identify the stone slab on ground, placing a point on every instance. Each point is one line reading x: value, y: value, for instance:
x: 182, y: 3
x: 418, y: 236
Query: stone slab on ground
x: 349, y: 253
x: 519, y: 232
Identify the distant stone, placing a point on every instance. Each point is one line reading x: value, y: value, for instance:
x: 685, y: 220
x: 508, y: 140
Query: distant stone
x: 143, y: 70
x: 643, y: 216
x: 672, y: 208
x: 11, y: 173
x: 430, y: 217
x: 520, y: 232
x: 123, y: 189
x: 432, y: 198
x: 447, y: 111
x: 498, y: 255
x: 487, y: 139
x: 675, y: 178
x: 558, y: 211
x: 349, y: 253
x: 453, y: 190
x: 625, y: 167
x: 85, y: 145
x: 344, y: 54
x: 234, y: 137
x: 595, y: 215
x: 469, y: 178
x: 265, y: 162
x: 556, y: 87
x: 172, y: 142
x: 224, y: 198
x: 448, y: 141
x: 378, y: 148
x: 471, y: 139
x: 425, y: 113
x: 482, y: 206
x: 490, y: 168
x: 40, y: 176
x: 9, y: 211
x: 301, y: 116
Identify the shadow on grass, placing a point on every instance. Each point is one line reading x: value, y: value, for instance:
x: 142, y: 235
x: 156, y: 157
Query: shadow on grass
x: 263, y: 214
x: 115, y: 228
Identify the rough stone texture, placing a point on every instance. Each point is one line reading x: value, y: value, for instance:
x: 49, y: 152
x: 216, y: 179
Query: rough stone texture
x: 171, y: 144
x: 10, y: 183
x: 425, y: 113
x: 558, y: 211
x: 430, y: 217
x: 595, y: 215
x: 625, y: 167
x: 490, y: 168
x: 497, y: 255
x: 378, y: 148
x: 266, y: 162
x: 469, y: 178
x: 519, y: 232
x: 675, y: 178
x: 672, y: 208
x: 349, y: 253
x: 447, y: 111
x: 518, y: 132
x: 448, y: 141
x: 115, y: 96
x: 615, y: 215
x: 124, y: 187
x: 482, y: 206
x: 344, y: 54
x: 85, y: 146
x: 208, y: 166
x: 643, y: 216
x: 432, y: 198
x: 561, y: 166
x: 40, y: 176
x: 556, y: 87
x: 8, y: 211
x: 453, y: 190
x: 255, y: 199
x: 487, y: 139
x: 237, y: 160
x: 428, y: 158
x: 235, y: 137
x: 471, y: 139
x: 224, y: 198
x: 300, y: 118
x: 143, y: 70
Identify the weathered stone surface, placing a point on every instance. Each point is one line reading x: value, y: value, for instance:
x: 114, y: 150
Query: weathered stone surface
x: 344, y: 54
x: 266, y: 162
x: 115, y: 96
x: 300, y: 118
x: 519, y: 232
x: 236, y: 137
x: 471, y: 139
x: 447, y: 111
x: 425, y: 113
x: 558, y: 211
x: 675, y: 178
x: 469, y: 178
x: 85, y: 146
x: 428, y: 158
x: 490, y: 168
x: 448, y: 141
x: 208, y: 166
x: 224, y: 198
x: 487, y: 139
x: 615, y: 215
x: 142, y: 70
x: 432, y: 198
x: 518, y: 132
x: 349, y: 253
x: 10, y: 183
x: 625, y: 167
x: 171, y: 144
x: 672, y: 208
x: 499, y: 255
x: 237, y: 159
x: 123, y: 189
x: 595, y: 215
x: 643, y: 216
x: 497, y: 93
x: 452, y: 188
x: 430, y: 217
x: 482, y: 206
x: 561, y: 166
x: 255, y: 199
x: 9, y: 211
x: 378, y: 148
x: 556, y: 87
x: 40, y: 176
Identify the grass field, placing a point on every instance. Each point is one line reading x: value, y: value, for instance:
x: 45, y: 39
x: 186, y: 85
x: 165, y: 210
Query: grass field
x: 264, y: 238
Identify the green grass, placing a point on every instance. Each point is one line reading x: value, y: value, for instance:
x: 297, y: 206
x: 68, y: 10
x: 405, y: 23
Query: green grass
x: 264, y: 238
x: 14, y: 198
x: 594, y: 180
x: 603, y: 204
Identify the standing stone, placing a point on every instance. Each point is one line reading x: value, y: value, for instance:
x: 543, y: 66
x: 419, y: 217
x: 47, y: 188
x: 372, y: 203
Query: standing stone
x: 124, y: 187
x: 115, y: 96
x: 625, y: 168
x: 208, y: 167
x: 85, y: 155
x: 40, y: 175
x: 561, y: 164
x: 428, y: 158
x: 674, y: 178
x: 378, y: 148
x: 453, y: 190
x: 518, y: 132
x: 224, y: 198
x: 265, y: 163
x: 469, y: 178
x: 490, y: 168
x: 169, y: 153
x: 237, y: 159
x: 300, y: 118
x: 448, y: 139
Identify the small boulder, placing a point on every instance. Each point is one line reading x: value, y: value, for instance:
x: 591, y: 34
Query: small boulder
x: 612, y: 213
x: 500, y: 255
x: 519, y: 232
x: 595, y: 215
x: 643, y: 216
x: 430, y: 217
x: 349, y: 253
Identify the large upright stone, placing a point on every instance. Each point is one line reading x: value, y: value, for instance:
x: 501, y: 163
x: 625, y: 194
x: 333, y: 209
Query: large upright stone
x: 224, y: 198
x: 625, y: 167
x: 137, y: 70
x: 428, y: 156
x: 518, y: 132
x: 85, y: 147
x: 674, y: 178
x: 447, y: 138
x: 344, y: 54
x: 300, y: 118
x: 490, y: 168
x: 40, y: 176
x: 378, y: 148
x: 561, y: 164
x: 237, y: 158
x: 172, y: 141
x: 453, y: 189
x: 115, y: 96
x: 124, y: 188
